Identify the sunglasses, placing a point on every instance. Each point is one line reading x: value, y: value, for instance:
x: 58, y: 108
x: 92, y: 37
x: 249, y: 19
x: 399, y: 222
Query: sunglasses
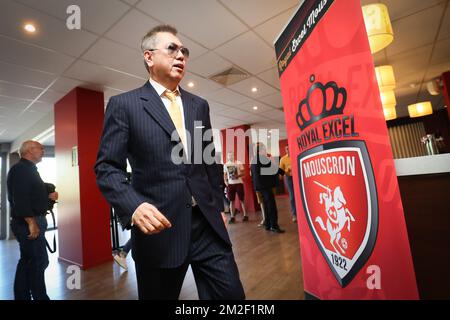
x: 172, y: 50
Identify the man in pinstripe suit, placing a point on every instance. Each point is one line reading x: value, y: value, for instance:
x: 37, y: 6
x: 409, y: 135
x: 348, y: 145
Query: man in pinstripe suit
x: 174, y: 210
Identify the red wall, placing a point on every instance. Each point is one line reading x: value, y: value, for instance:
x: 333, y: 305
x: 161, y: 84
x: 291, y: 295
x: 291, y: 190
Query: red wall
x: 83, y: 214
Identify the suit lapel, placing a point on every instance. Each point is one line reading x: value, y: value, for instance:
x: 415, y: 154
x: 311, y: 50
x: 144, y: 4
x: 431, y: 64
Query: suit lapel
x: 154, y: 106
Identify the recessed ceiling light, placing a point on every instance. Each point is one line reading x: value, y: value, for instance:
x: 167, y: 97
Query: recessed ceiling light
x: 413, y: 85
x: 254, y: 89
x: 191, y: 84
x: 29, y: 28
x: 255, y: 107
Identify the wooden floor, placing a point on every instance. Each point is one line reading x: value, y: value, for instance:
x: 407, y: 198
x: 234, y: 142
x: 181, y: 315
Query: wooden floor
x: 269, y: 266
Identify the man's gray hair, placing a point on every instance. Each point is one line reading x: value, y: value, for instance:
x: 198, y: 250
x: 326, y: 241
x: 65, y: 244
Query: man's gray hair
x: 150, y: 40
x: 25, y: 147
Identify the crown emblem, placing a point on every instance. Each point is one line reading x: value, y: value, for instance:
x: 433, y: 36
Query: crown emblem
x: 331, y: 103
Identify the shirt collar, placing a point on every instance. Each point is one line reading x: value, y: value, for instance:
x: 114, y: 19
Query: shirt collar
x: 160, y: 89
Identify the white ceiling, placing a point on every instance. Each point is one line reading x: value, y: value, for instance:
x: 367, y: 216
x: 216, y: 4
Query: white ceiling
x: 37, y: 70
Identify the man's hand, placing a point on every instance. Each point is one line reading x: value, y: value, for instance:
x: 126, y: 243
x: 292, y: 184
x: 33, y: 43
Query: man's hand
x: 53, y: 196
x: 33, y: 228
x: 149, y: 220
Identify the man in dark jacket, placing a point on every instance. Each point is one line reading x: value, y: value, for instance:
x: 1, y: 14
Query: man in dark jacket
x: 264, y: 175
x: 28, y: 197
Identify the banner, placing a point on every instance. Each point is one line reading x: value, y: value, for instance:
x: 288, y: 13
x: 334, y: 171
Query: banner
x: 353, y: 238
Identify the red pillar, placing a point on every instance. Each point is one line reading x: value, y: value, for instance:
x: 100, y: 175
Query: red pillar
x: 446, y: 93
x: 83, y: 214
x: 251, y: 203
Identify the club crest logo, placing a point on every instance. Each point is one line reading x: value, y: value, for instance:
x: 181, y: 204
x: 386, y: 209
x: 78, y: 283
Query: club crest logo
x: 340, y: 202
x: 330, y: 98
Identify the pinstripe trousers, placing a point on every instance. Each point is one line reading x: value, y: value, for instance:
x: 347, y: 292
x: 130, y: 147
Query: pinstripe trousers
x: 213, y: 264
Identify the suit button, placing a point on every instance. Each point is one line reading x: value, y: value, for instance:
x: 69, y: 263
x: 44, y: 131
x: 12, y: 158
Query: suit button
x: 188, y: 205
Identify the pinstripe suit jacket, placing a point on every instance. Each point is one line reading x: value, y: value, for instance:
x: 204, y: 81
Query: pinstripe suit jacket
x: 137, y: 126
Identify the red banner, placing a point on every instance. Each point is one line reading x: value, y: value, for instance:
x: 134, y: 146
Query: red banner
x: 353, y: 237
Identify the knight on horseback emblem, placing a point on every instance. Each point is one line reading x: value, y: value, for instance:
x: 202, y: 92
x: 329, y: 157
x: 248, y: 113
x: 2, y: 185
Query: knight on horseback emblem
x: 338, y: 216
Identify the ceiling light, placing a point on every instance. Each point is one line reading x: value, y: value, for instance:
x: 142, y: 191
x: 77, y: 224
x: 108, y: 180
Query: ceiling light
x: 388, y: 99
x: 420, y: 109
x: 385, y: 78
x: 389, y: 113
x: 378, y: 26
x: 254, y: 89
x: 255, y: 107
x: 190, y: 84
x: 30, y: 28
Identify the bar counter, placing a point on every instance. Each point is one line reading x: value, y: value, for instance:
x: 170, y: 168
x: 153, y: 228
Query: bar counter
x: 424, y: 184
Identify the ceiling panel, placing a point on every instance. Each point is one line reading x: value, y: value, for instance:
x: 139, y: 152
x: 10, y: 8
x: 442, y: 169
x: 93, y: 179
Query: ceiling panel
x: 41, y: 107
x: 245, y: 87
x: 254, y: 12
x: 92, y: 73
x: 51, y: 33
x: 445, y: 28
x: 51, y: 97
x: 18, y: 91
x: 96, y: 16
x: 131, y: 2
x: 18, y: 125
x: 441, y: 53
x: 227, y: 97
x: 437, y: 70
x: 64, y: 85
x: 217, y: 108
x: 201, y: 87
x: 271, y: 77
x: 276, y: 115
x: 400, y: 9
x: 133, y: 20
x: 20, y: 53
x: 204, y: 21
x: 273, y: 100
x: 271, y: 29
x: 14, y: 104
x: 18, y: 74
x: 411, y: 62
x: 111, y: 54
x: 425, y: 25
x: 248, y: 106
x: 249, y: 52
x: 208, y: 64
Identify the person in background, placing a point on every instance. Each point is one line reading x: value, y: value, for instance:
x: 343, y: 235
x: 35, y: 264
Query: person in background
x: 223, y: 187
x: 233, y: 171
x: 286, y: 170
x: 265, y: 180
x: 29, y: 200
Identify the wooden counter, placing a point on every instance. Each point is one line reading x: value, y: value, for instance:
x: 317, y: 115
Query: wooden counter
x: 424, y: 184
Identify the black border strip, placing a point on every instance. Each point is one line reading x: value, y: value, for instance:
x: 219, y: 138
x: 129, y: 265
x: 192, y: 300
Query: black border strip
x: 294, y: 29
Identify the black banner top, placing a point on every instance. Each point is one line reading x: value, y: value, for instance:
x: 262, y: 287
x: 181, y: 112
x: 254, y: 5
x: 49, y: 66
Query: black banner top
x: 298, y: 30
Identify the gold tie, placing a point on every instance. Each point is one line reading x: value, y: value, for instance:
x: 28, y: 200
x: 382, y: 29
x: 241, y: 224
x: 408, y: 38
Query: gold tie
x: 175, y: 114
